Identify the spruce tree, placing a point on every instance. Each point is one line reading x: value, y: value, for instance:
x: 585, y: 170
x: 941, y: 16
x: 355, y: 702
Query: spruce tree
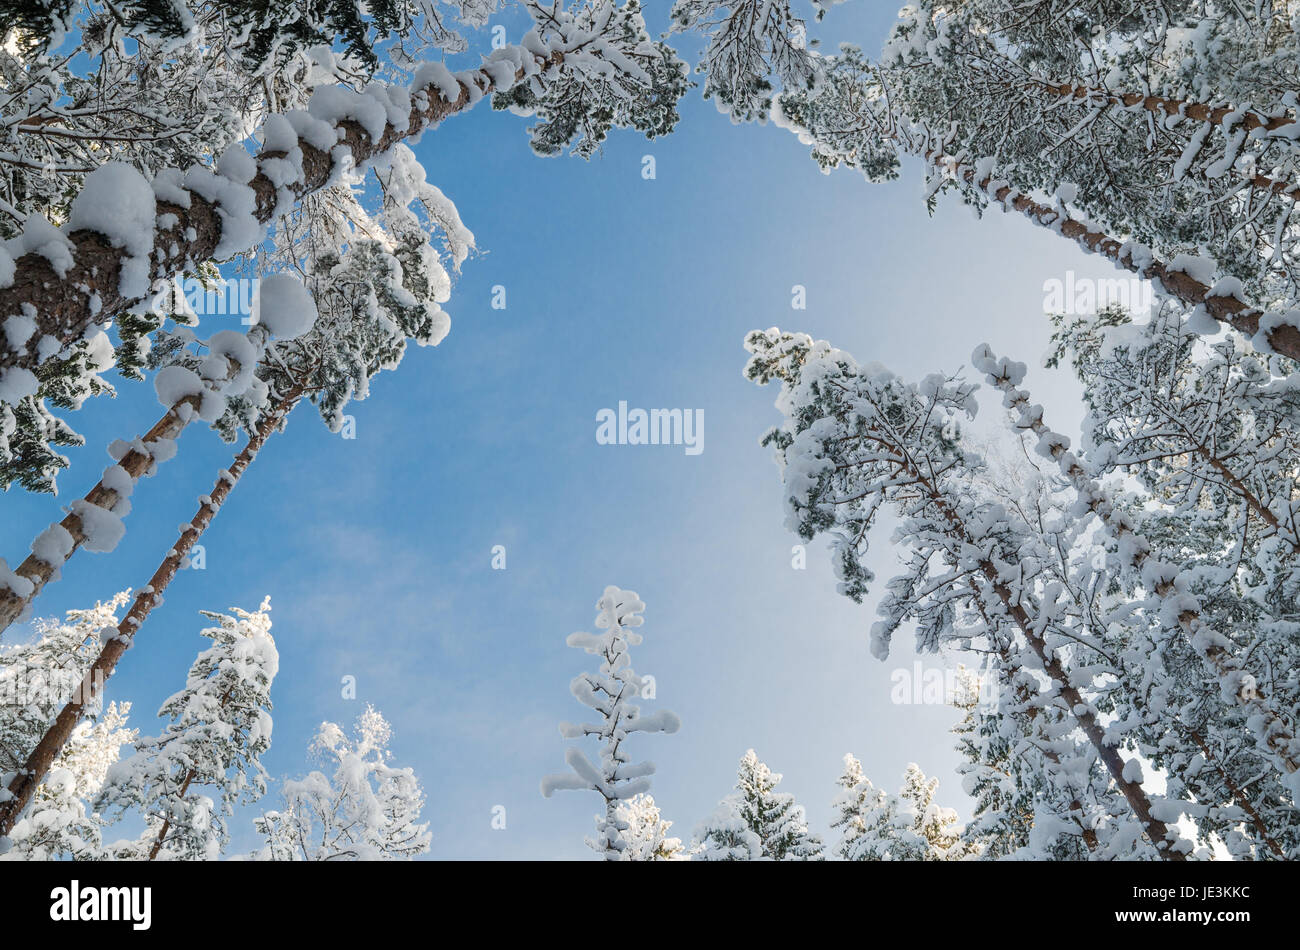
x: 775, y: 817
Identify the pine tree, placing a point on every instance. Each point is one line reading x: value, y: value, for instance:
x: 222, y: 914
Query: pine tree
x: 220, y: 727
x: 775, y: 817
x: 608, y: 692
x: 195, y: 85
x: 366, y: 810
x: 1206, y: 433
x: 986, y: 93
x: 578, y: 99
x: 858, y: 438
x: 863, y: 813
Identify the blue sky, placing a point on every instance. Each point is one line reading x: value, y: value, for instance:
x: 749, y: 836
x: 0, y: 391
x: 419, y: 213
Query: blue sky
x: 377, y: 551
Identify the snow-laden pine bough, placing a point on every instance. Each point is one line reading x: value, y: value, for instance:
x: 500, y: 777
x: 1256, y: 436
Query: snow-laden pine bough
x: 22, y: 785
x: 1175, y: 605
x: 126, y: 232
x: 1198, y: 179
x: 610, y: 692
x: 863, y: 114
x: 858, y: 439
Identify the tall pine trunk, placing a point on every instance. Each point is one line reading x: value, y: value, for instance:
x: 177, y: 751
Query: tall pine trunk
x: 24, y: 785
x: 136, y: 463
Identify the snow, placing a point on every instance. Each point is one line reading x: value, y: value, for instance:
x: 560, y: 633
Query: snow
x: 174, y: 383
x: 284, y: 306
x: 440, y: 77
x: 118, y: 480
x: 16, y: 384
x: 118, y: 202
x: 14, y: 582
x: 1200, y: 268
x: 278, y: 134
x: 162, y: 450
x: 53, y: 545
x: 103, y: 529
x: 168, y: 186
x: 223, y: 347
x: 38, y: 237
x: 335, y: 104
x: 18, y: 329
x: 236, y: 164
x: 1133, y: 771
x: 315, y: 132
x: 236, y: 204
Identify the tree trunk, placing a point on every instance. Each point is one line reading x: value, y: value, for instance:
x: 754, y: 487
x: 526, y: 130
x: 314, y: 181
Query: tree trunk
x: 1163, y: 106
x: 1283, y: 338
x: 135, y: 463
x: 1277, y: 739
x: 38, y: 763
x: 167, y: 822
x: 1157, y: 831
x: 1198, y: 111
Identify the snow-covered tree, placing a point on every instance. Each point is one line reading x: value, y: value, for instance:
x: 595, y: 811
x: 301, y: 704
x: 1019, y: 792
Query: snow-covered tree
x: 609, y: 692
x: 59, y: 824
x: 1188, y: 150
x: 23, y: 783
x: 586, y: 69
x: 582, y: 70
x: 365, y: 810
x: 724, y: 836
x: 646, y: 833
x: 220, y: 727
x: 909, y: 826
x: 1185, y: 157
x: 857, y: 438
x: 36, y: 679
x: 757, y: 818
x: 1202, y: 568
